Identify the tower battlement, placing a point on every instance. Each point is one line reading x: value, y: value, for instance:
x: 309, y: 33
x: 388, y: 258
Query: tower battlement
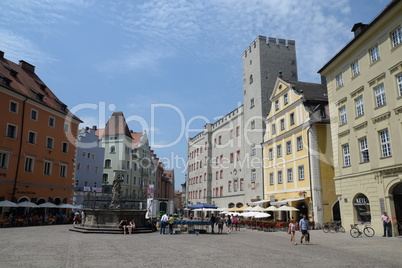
x: 270, y: 42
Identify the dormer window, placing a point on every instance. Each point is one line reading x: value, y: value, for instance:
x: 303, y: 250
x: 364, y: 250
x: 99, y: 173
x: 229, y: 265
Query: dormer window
x: 38, y: 95
x: 5, y: 80
x: 13, y: 73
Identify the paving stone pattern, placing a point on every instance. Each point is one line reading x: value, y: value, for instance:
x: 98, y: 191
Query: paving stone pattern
x: 56, y: 246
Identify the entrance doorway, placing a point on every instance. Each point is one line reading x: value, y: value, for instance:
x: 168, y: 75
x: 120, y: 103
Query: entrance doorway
x: 336, y: 212
x: 303, y: 210
x: 398, y: 206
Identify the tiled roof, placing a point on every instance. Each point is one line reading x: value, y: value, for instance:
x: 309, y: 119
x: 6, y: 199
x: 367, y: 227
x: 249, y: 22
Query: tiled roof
x: 311, y: 91
x: 21, y: 78
x: 116, y: 125
x: 136, y: 136
x: 100, y: 132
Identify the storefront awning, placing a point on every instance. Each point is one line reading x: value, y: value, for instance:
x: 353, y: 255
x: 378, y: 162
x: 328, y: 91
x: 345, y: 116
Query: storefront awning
x: 255, y: 203
x: 286, y: 201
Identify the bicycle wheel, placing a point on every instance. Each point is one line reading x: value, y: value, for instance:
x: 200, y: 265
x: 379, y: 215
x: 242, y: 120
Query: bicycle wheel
x: 332, y: 229
x: 325, y: 229
x: 341, y: 229
x: 354, y: 232
x: 368, y: 231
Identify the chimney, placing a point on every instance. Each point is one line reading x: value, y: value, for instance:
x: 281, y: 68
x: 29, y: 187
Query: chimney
x: 26, y: 66
x: 94, y: 127
x: 358, y: 28
x: 280, y: 73
x: 323, y: 80
x: 1, y: 54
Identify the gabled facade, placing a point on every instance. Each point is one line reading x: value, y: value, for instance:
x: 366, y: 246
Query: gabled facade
x: 127, y: 154
x: 298, y: 167
x: 37, y: 144
x: 364, y: 82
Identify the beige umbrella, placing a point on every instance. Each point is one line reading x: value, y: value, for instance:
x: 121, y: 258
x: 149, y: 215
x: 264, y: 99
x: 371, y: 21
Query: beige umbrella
x: 287, y: 208
x: 256, y: 208
x: 271, y: 208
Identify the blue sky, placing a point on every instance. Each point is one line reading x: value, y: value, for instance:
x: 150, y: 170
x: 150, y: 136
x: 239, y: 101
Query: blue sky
x: 183, y: 58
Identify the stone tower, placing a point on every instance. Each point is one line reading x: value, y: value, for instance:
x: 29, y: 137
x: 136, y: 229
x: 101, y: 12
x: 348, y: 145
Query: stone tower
x: 263, y: 61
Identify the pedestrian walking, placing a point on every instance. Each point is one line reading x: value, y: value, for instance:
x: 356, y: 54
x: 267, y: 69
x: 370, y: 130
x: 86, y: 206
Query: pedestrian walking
x: 76, y: 218
x: 235, y: 222
x: 292, y: 231
x: 228, y: 223
x: 171, y: 222
x: 164, y: 221
x: 303, y: 226
x: 385, y: 222
x: 220, y: 225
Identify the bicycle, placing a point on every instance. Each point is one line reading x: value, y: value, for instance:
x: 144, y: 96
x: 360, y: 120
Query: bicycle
x: 326, y: 226
x: 355, y: 232
x: 337, y: 227
x: 334, y: 226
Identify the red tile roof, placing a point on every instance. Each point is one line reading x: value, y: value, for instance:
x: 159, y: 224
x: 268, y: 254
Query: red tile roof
x: 136, y: 136
x: 22, y: 79
x: 116, y: 125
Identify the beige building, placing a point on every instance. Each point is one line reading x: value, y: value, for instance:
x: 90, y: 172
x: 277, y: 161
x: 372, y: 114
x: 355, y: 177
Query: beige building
x: 364, y: 82
x: 298, y: 165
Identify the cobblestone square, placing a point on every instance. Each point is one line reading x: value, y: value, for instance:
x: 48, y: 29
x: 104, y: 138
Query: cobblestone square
x: 56, y: 246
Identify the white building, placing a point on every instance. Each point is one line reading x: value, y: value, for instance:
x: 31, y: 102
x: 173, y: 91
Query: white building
x: 225, y: 160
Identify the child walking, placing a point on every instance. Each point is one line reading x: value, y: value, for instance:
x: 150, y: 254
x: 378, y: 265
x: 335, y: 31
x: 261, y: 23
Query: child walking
x: 292, y: 231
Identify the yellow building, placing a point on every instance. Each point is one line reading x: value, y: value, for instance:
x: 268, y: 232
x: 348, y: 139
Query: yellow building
x: 298, y: 165
x: 364, y: 82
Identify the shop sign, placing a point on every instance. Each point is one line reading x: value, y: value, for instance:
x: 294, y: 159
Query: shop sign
x: 361, y: 201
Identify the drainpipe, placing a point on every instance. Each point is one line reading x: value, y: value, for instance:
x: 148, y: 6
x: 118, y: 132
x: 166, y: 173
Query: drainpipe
x: 309, y: 167
x: 19, y: 151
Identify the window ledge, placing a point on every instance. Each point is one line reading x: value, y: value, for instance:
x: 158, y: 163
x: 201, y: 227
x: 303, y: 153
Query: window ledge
x: 346, y: 166
x: 385, y: 157
x: 360, y: 116
x: 372, y: 63
x: 364, y: 162
x: 353, y: 77
x: 395, y: 48
x: 379, y: 107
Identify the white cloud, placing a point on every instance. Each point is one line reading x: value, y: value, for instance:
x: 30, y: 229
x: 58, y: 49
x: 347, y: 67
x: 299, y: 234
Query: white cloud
x: 214, y: 29
x: 89, y: 121
x: 17, y: 47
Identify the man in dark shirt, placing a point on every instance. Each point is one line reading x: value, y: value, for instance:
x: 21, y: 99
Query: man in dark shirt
x: 213, y: 220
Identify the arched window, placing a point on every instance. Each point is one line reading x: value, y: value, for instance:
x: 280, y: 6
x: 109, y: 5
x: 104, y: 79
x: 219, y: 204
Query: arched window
x: 251, y: 79
x: 362, y: 208
x: 108, y: 163
x: 105, y: 176
x: 112, y: 149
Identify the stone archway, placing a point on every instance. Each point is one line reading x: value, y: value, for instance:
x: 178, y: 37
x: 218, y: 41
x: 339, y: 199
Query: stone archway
x: 397, y: 193
x: 336, y: 212
x: 41, y: 201
x: 303, y: 210
x: 57, y: 201
x: 239, y: 205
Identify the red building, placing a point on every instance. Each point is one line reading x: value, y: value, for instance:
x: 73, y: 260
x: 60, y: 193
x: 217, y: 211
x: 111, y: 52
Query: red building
x: 37, y: 144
